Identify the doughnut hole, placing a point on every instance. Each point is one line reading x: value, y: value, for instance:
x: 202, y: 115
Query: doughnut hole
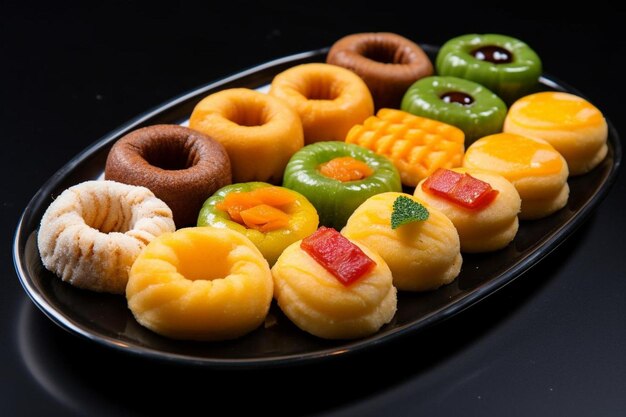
x: 110, y: 215
x: 386, y: 52
x: 248, y: 113
x: 171, y: 155
x: 192, y: 264
x: 320, y: 87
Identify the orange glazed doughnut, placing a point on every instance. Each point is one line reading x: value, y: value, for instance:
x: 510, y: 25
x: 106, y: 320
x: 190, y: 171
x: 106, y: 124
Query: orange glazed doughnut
x: 259, y: 132
x: 387, y: 62
x: 329, y: 99
x: 200, y: 283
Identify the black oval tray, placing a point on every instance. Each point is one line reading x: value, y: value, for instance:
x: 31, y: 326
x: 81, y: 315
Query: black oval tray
x: 105, y: 319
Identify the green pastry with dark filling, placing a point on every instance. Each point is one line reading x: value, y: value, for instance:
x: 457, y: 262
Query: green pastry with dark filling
x: 462, y: 103
x: 505, y: 65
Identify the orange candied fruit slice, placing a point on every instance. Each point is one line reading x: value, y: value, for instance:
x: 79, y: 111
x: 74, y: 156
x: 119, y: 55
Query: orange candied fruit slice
x: 345, y: 169
x: 259, y: 209
x: 264, y: 218
x: 416, y: 145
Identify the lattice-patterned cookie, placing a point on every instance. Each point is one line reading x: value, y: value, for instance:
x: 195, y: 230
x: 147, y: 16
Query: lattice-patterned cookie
x: 416, y: 145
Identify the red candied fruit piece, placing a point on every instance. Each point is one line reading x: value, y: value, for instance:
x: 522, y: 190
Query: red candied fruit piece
x: 473, y: 193
x: 441, y: 182
x: 461, y: 189
x: 342, y: 258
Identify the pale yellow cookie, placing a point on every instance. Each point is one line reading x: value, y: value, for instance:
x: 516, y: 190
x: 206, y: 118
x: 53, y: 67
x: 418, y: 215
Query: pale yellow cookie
x: 575, y: 127
x: 422, y: 255
x: 320, y: 304
x: 486, y: 229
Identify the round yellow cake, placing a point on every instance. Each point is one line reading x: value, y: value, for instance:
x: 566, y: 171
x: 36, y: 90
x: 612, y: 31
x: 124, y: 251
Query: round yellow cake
x: 422, y: 255
x: 200, y: 283
x: 318, y: 303
x: 481, y: 230
x: 575, y: 127
x: 538, y: 172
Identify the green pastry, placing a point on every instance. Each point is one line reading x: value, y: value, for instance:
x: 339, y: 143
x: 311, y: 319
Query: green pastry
x: 462, y: 103
x: 336, y: 177
x: 505, y: 65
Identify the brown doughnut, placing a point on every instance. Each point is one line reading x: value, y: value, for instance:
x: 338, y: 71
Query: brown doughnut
x: 180, y: 166
x: 387, y: 62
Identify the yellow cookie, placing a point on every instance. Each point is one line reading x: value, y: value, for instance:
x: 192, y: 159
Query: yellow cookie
x: 422, y: 255
x: 571, y: 124
x: 488, y: 228
x: 534, y: 167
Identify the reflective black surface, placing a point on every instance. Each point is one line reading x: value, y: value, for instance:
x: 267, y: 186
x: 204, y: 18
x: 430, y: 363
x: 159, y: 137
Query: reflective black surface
x: 550, y: 343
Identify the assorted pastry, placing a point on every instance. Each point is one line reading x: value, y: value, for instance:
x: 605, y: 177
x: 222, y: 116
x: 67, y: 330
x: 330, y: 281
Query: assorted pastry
x: 350, y: 181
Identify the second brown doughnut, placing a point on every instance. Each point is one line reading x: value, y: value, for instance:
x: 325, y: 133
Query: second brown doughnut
x: 387, y: 62
x: 180, y: 166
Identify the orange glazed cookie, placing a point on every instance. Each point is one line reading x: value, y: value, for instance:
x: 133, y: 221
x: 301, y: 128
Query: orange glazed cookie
x: 328, y: 98
x: 200, y: 283
x: 570, y: 123
x: 536, y: 169
x: 417, y: 146
x: 252, y: 126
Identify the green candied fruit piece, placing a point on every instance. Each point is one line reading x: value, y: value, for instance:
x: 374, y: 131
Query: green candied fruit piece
x: 462, y: 103
x: 505, y: 65
x: 335, y: 200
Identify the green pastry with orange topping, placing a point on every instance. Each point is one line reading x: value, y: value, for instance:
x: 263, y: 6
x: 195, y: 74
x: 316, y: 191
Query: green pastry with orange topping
x: 336, y: 177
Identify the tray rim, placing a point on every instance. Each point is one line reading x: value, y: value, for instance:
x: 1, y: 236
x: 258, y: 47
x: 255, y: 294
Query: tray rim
x: 349, y: 347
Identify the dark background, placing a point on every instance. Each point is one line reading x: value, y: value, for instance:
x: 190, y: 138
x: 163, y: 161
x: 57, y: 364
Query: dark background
x: 551, y: 343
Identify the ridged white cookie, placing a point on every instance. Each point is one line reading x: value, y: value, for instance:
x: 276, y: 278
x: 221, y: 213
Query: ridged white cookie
x: 93, y: 232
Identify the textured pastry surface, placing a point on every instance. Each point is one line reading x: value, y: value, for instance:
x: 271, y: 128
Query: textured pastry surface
x: 486, y: 229
x: 571, y: 124
x: 92, y: 233
x: 422, y: 255
x: 200, y: 283
x: 318, y: 303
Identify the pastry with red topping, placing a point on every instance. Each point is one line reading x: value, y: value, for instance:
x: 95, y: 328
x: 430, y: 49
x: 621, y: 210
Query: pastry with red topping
x: 418, y: 242
x: 482, y: 206
x: 334, y: 288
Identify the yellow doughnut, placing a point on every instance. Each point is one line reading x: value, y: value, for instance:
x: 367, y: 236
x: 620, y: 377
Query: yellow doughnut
x: 93, y: 232
x: 259, y: 132
x: 481, y: 230
x: 538, y: 172
x: 329, y: 99
x: 200, y: 283
x: 421, y: 255
x: 318, y: 303
x: 571, y: 124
